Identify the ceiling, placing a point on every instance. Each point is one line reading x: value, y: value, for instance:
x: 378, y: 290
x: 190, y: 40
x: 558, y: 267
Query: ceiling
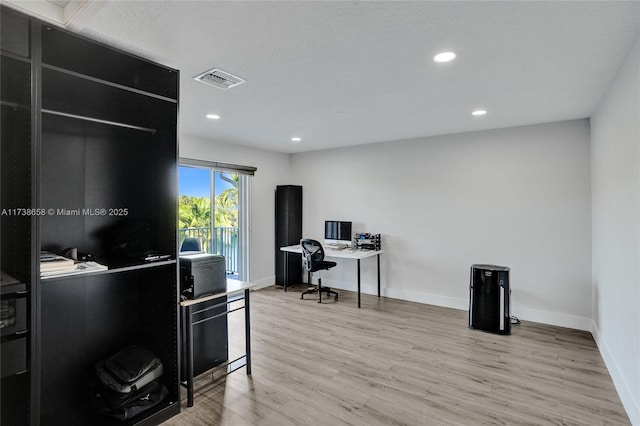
x: 338, y: 73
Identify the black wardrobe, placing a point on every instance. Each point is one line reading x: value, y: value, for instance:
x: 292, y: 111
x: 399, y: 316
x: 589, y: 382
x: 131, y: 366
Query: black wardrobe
x: 89, y: 161
x: 288, y: 232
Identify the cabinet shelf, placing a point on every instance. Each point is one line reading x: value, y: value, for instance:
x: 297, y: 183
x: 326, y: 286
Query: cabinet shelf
x: 108, y: 83
x: 111, y: 270
x: 82, y: 56
x: 15, y: 106
x: 154, y: 416
x: 8, y: 54
x: 68, y: 94
x: 97, y: 120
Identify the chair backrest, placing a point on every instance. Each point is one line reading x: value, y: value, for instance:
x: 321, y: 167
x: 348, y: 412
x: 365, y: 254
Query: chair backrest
x: 312, y: 253
x: 190, y: 244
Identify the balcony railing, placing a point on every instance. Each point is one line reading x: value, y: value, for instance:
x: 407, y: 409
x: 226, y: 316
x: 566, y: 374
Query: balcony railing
x: 223, y: 241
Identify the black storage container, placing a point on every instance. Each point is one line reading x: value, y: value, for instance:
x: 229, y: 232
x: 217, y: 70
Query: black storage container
x: 210, y: 336
x: 489, y: 299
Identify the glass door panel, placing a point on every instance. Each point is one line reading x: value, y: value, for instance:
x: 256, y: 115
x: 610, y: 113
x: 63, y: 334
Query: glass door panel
x: 209, y: 212
x: 226, y: 220
x: 194, y: 209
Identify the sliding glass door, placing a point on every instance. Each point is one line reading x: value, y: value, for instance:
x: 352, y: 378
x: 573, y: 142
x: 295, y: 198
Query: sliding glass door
x: 212, y: 211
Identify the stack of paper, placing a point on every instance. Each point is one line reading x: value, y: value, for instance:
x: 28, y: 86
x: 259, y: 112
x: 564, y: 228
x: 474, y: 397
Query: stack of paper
x: 79, y: 268
x: 51, y: 262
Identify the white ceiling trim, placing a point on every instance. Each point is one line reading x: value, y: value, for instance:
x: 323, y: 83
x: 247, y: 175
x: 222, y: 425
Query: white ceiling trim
x: 60, y: 13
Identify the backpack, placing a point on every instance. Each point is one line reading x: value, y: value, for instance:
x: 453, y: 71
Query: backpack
x: 124, y: 406
x: 130, y: 369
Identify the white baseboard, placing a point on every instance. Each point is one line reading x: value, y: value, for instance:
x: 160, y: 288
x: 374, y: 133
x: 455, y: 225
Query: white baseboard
x: 264, y: 282
x: 619, y: 381
x: 553, y: 318
x: 428, y: 298
x: 545, y: 317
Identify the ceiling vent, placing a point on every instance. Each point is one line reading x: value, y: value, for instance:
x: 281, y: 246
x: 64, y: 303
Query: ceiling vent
x: 220, y: 79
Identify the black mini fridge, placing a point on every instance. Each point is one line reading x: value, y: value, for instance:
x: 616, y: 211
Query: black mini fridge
x: 489, y: 299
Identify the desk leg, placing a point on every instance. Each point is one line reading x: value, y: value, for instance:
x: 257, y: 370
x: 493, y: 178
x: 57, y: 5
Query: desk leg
x: 378, y: 275
x: 189, y: 360
x: 285, y: 274
x: 247, y: 330
x: 358, y: 283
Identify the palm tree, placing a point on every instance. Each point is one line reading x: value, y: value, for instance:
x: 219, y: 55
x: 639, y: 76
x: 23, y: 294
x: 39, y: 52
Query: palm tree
x: 226, y: 203
x: 194, y: 212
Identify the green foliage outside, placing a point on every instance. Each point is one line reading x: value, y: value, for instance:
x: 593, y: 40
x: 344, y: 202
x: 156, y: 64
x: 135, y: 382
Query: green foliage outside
x: 195, y: 212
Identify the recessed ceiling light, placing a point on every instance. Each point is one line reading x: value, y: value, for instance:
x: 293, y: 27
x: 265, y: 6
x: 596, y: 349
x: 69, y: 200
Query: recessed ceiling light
x: 479, y: 112
x: 213, y: 116
x: 296, y: 139
x: 444, y: 57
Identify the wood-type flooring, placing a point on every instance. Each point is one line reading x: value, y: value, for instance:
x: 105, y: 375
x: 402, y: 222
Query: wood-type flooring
x: 400, y: 363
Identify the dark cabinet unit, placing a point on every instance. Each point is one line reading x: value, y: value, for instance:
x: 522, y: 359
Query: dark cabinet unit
x: 489, y: 299
x: 92, y: 152
x: 288, y: 232
x: 210, y: 336
x: 16, y: 222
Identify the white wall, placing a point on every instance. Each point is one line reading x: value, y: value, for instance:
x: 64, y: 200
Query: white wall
x: 615, y: 180
x: 518, y: 197
x: 273, y: 169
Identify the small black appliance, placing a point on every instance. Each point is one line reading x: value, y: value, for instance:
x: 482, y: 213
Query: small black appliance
x: 202, y: 274
x: 489, y: 299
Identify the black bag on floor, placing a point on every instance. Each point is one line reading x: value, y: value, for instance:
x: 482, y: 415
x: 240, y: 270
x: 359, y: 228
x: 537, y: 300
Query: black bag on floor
x: 129, y: 370
x: 124, y: 406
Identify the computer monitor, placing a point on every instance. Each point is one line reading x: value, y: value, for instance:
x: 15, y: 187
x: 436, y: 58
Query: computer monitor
x: 337, y: 233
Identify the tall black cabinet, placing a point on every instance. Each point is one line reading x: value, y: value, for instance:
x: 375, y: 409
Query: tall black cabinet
x: 16, y: 225
x: 288, y: 232
x: 89, y: 147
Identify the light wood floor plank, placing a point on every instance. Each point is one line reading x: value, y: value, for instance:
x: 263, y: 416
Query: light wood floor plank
x: 401, y: 363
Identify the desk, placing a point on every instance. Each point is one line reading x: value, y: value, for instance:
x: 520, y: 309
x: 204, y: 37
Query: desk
x: 234, y: 288
x: 343, y: 254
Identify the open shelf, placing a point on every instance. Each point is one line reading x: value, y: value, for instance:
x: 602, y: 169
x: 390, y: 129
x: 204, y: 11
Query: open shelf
x: 69, y: 94
x: 70, y: 52
x: 104, y: 168
x: 114, y: 268
x: 135, y: 306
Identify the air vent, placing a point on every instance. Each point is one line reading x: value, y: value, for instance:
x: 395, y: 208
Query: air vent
x: 220, y: 79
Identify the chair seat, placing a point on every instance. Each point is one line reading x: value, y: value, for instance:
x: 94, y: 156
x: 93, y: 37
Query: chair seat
x: 322, y: 265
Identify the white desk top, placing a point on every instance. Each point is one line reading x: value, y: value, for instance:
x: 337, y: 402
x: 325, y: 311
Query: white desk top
x: 233, y: 287
x: 347, y: 253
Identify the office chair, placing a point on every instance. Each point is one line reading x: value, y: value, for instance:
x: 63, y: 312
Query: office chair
x: 313, y: 261
x: 190, y: 244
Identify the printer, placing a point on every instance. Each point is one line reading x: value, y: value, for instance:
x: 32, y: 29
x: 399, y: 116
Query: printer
x: 202, y: 274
